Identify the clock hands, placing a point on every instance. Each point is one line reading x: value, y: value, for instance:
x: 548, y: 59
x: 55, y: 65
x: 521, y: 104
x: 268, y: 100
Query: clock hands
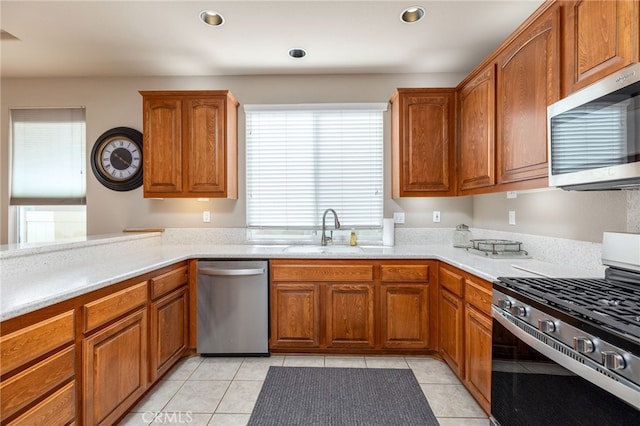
x: 127, y: 163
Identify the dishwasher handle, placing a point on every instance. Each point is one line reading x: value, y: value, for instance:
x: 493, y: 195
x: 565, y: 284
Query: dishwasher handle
x: 230, y: 272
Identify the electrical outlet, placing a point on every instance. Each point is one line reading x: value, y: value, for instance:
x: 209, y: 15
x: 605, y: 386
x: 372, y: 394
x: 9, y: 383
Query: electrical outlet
x: 436, y: 216
x: 512, y: 217
x: 206, y: 216
x: 512, y: 194
x: 398, y: 217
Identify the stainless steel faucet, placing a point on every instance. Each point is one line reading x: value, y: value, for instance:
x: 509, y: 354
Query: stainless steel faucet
x: 325, y: 239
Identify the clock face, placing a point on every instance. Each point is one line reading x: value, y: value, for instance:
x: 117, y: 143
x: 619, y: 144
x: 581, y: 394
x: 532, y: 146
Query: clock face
x: 116, y: 159
x: 120, y: 158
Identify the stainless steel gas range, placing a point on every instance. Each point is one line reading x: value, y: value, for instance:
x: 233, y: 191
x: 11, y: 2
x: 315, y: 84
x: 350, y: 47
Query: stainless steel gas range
x: 566, y: 351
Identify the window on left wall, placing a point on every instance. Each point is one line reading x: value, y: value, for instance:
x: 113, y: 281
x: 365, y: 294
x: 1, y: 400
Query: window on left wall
x: 48, y: 174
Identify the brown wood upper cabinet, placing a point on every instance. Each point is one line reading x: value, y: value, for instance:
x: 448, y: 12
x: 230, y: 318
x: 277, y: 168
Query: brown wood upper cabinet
x: 600, y: 37
x: 527, y: 82
x: 190, y: 144
x: 423, y: 138
x: 476, y: 141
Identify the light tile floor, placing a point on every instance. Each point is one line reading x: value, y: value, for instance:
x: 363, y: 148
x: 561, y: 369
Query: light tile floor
x: 222, y: 391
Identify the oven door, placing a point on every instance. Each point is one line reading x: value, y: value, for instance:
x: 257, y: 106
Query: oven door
x: 534, y: 384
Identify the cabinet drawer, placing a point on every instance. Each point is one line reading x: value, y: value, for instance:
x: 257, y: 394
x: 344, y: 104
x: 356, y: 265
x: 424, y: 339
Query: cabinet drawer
x: 29, y: 385
x: 31, y: 342
x: 451, y: 281
x: 110, y: 307
x: 323, y: 273
x: 478, y: 296
x: 58, y: 409
x: 404, y: 273
x: 165, y: 283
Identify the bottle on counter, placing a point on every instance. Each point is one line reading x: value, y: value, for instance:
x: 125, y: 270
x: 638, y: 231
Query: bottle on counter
x: 353, y: 239
x: 462, y: 236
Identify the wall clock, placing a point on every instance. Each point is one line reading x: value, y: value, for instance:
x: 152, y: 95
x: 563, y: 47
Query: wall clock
x: 116, y: 159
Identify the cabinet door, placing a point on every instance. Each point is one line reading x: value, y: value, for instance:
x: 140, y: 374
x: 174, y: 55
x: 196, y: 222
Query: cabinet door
x: 451, y: 322
x: 115, y: 370
x: 349, y: 315
x: 476, y: 168
x: 528, y: 81
x: 204, y: 145
x: 423, y: 142
x: 162, y: 147
x: 169, y: 331
x: 295, y: 315
x: 405, y: 316
x: 478, y: 355
x: 601, y: 37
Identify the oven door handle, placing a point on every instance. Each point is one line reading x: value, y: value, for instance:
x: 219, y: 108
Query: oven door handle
x: 586, y: 369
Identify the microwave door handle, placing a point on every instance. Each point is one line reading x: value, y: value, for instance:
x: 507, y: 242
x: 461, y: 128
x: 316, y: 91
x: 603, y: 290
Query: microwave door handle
x: 230, y: 272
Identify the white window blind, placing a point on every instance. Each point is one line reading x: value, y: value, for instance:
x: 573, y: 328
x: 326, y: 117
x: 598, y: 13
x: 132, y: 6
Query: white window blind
x: 304, y: 159
x: 48, y: 156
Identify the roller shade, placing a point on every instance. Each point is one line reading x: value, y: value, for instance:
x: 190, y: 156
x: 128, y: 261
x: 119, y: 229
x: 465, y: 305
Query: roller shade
x: 48, y: 165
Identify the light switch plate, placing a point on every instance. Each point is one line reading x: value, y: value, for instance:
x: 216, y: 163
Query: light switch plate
x: 512, y: 217
x: 398, y: 217
x: 436, y: 216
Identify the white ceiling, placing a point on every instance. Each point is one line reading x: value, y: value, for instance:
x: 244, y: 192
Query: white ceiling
x: 166, y: 38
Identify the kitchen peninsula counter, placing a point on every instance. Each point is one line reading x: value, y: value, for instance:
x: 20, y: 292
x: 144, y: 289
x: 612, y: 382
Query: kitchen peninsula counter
x: 36, y: 277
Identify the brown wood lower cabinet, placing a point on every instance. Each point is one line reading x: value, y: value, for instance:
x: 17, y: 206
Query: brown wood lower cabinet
x: 168, y: 320
x: 404, y: 318
x: 451, y: 312
x: 361, y: 306
x: 87, y: 360
x: 465, y: 330
x: 477, y: 343
x: 295, y: 315
x: 37, y: 364
x: 115, y: 369
x: 57, y: 409
x: 349, y: 315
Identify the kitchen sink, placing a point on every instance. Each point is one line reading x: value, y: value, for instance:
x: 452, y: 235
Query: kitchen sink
x: 322, y: 249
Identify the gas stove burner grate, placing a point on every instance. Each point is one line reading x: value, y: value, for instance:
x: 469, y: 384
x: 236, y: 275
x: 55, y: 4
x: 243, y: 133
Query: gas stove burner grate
x: 615, y: 304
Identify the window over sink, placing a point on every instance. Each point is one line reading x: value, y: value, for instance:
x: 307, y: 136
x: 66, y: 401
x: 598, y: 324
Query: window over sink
x: 303, y: 159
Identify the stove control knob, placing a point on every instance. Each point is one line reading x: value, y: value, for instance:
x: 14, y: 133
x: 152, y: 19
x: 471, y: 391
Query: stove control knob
x: 546, y: 326
x: 584, y: 345
x: 504, y: 304
x: 519, y: 311
x: 613, y: 360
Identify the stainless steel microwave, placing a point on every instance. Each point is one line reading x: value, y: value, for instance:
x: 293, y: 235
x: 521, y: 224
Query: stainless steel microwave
x: 594, y: 135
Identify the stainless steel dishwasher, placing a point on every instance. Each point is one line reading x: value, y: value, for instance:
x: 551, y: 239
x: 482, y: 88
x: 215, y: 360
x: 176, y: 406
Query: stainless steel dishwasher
x: 233, y: 307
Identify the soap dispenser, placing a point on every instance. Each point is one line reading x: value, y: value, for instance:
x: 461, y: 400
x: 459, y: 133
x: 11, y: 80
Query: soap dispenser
x: 462, y: 236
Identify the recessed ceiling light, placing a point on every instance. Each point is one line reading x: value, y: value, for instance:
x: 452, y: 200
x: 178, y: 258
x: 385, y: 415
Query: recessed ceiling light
x: 412, y: 14
x: 212, y: 18
x: 297, y: 52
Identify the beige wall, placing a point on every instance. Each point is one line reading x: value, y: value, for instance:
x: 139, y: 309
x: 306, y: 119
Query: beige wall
x: 554, y: 212
x: 114, y: 102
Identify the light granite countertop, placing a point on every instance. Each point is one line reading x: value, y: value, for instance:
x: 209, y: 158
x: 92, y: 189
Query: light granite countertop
x: 48, y: 276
